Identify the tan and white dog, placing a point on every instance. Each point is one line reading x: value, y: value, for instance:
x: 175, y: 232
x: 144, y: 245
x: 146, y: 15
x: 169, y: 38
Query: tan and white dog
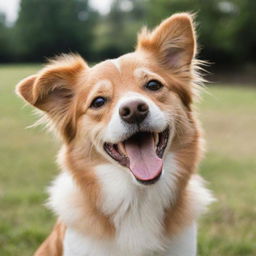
x: 131, y: 146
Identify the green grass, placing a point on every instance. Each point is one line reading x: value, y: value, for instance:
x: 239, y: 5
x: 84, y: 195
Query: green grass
x: 229, y: 119
x: 27, y: 159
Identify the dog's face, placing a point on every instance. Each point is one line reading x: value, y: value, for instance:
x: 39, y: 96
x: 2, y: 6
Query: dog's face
x: 129, y: 111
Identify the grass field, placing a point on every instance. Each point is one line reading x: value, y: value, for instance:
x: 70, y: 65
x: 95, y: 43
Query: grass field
x: 27, y: 165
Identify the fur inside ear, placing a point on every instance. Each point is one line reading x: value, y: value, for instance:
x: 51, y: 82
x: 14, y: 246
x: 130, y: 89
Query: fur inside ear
x: 52, y: 90
x: 172, y: 43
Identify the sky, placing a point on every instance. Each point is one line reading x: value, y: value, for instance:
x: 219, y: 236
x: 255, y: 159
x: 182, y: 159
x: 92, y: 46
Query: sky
x: 10, y: 8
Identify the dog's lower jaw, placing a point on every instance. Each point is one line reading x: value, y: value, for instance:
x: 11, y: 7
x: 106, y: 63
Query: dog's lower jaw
x: 142, y: 153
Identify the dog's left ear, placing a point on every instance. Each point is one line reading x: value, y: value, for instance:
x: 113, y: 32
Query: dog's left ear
x: 172, y: 43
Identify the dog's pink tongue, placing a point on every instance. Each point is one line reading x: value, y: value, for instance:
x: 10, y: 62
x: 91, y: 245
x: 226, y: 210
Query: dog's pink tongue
x: 144, y: 163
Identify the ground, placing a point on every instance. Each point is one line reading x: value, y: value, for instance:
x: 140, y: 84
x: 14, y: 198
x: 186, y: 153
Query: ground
x: 27, y: 158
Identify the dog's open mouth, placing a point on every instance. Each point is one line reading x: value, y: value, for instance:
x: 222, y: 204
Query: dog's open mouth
x: 142, y: 153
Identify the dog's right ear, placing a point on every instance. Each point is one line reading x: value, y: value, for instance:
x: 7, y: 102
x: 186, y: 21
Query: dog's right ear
x: 53, y: 90
x: 54, y: 86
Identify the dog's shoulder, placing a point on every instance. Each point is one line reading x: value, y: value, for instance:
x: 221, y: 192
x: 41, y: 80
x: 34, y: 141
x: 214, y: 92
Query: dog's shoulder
x: 53, y: 245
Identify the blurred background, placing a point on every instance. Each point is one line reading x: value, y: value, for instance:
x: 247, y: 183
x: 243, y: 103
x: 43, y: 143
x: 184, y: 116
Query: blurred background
x: 33, y: 30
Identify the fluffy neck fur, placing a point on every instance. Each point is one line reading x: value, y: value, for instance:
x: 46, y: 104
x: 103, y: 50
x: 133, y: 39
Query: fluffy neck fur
x: 139, y: 217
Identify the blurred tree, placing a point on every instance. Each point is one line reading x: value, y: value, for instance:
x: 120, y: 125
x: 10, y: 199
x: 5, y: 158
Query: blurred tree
x: 117, y: 31
x: 226, y: 33
x: 245, y: 35
x: 50, y: 27
x: 4, y: 38
x: 226, y: 29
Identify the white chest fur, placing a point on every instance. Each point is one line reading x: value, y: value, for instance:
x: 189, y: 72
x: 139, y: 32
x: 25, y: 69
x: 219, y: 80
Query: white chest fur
x: 137, y: 213
x: 75, y: 244
x: 137, y: 210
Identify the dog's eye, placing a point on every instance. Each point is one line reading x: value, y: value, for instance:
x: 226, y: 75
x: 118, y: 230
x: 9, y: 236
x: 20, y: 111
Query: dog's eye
x: 153, y: 85
x: 98, y: 102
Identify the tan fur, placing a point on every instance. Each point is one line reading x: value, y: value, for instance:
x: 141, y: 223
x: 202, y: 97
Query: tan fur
x: 65, y: 89
x: 53, y: 245
x: 94, y: 222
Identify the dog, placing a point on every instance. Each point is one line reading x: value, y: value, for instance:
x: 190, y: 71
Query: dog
x: 131, y: 146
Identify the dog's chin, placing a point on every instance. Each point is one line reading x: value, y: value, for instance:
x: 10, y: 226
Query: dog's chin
x: 142, y: 153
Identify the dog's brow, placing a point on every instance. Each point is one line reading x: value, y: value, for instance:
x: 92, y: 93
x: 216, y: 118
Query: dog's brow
x: 102, y: 84
x: 143, y: 72
x: 116, y: 63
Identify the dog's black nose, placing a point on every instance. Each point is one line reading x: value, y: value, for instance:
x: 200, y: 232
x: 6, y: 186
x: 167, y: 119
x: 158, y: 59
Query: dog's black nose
x: 134, y: 111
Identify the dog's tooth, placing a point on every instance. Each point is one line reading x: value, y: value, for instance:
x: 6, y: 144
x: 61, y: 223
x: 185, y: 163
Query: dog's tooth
x: 121, y: 148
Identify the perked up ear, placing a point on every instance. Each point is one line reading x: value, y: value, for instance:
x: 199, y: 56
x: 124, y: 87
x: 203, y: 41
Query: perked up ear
x: 53, y: 88
x: 172, y: 43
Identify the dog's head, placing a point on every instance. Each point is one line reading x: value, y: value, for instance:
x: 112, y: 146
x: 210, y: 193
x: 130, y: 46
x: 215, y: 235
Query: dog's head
x: 129, y: 111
